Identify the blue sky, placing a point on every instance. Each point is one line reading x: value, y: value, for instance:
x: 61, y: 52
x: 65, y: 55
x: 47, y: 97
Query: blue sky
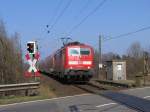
x: 30, y: 17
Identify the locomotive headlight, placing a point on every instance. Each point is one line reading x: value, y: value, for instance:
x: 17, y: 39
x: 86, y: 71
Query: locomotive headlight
x: 87, y: 62
x: 89, y: 67
x: 73, y: 62
x: 71, y: 67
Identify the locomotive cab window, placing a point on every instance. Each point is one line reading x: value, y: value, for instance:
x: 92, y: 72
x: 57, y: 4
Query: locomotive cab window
x: 79, y: 51
x: 85, y: 51
x: 74, y: 51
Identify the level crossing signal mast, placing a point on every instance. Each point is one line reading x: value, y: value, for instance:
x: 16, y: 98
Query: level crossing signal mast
x: 32, y: 56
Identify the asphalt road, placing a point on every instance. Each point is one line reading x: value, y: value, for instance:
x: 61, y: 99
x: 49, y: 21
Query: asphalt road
x: 109, y: 102
x: 139, y: 92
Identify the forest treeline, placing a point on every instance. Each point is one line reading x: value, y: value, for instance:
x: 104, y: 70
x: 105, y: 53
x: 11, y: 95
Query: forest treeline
x: 11, y: 63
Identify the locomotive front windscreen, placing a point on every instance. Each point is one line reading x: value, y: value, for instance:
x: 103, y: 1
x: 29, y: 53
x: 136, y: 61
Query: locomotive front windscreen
x: 84, y: 51
x: 74, y: 51
x: 79, y: 51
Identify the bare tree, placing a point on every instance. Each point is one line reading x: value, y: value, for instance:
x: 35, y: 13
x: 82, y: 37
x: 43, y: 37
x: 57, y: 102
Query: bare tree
x: 110, y: 56
x: 10, y: 55
x: 134, y: 59
x: 135, y: 50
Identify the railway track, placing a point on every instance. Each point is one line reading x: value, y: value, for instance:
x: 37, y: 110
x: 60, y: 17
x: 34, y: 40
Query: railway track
x: 59, y: 88
x: 97, y: 88
x: 91, y: 88
x: 75, y: 87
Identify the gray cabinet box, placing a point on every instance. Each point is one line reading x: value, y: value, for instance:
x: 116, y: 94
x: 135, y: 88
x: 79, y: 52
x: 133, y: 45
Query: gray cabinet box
x: 116, y: 70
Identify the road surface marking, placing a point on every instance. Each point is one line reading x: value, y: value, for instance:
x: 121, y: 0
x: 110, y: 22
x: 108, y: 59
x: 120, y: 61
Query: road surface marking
x: 146, y: 97
x: 64, y: 98
x: 44, y: 100
x: 138, y: 88
x: 106, y: 105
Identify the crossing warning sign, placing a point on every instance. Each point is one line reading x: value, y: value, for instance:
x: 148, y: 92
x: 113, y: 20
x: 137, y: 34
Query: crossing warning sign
x: 32, y: 57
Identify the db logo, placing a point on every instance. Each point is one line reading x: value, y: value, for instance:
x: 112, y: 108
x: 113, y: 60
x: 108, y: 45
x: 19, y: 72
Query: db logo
x: 32, y: 62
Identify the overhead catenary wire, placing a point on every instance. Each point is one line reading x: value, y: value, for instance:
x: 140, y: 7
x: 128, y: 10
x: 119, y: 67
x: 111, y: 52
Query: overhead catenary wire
x: 49, y: 23
x: 107, y: 38
x: 83, y: 8
x: 87, y: 16
x: 60, y: 15
x: 127, y: 34
x: 56, y: 9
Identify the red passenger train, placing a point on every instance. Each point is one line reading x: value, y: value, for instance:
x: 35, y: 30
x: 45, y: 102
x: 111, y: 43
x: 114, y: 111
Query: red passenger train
x: 73, y: 61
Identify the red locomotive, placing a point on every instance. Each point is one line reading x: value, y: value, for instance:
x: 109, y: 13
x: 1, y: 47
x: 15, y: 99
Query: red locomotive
x: 73, y: 61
